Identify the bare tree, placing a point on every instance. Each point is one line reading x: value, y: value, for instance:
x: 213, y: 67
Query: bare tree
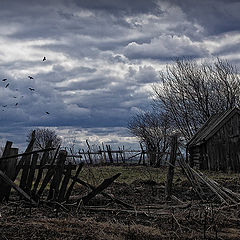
x: 190, y: 92
x: 153, y: 130
x: 43, y: 136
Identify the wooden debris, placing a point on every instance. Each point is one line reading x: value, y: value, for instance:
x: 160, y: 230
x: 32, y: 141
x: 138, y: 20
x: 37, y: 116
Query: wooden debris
x: 74, y: 180
x: 29, y: 149
x: 107, y: 182
x: 65, y: 183
x: 197, y: 178
x: 103, y: 193
x: 54, y: 187
x: 18, y: 189
x: 10, y: 171
x: 7, y: 167
x: 46, y: 180
x: 43, y: 161
x: 27, y: 153
x: 31, y: 172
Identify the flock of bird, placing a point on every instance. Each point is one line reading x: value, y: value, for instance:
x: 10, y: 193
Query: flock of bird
x: 31, y: 89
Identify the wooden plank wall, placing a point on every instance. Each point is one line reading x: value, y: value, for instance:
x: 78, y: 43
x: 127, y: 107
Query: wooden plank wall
x: 221, y: 151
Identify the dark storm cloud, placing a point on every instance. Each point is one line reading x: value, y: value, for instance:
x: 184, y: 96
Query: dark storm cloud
x: 60, y: 74
x: 102, y: 57
x: 120, y: 6
x: 216, y: 16
x: 88, y: 84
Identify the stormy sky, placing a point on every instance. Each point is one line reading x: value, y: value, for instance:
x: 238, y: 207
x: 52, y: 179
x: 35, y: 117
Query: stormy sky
x: 102, y: 56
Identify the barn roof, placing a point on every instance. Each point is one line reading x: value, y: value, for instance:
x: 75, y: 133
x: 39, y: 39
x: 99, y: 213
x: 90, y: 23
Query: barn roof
x: 211, y: 126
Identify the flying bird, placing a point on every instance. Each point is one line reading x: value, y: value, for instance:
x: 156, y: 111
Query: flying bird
x: 14, y: 97
x: 7, y: 85
x: 16, y: 104
x: 31, y: 89
x: 47, y: 113
x: 30, y: 77
x: 4, y: 80
x: 44, y: 59
x: 4, y: 105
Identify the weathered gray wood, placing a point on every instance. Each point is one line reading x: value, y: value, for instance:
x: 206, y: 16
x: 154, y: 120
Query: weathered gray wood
x: 26, y: 154
x: 49, y: 166
x: 55, y: 155
x: 10, y: 171
x: 6, y: 150
x: 169, y: 180
x: 29, y: 149
x: 74, y: 179
x: 46, y: 180
x: 104, y: 153
x: 109, y: 153
x: 89, y: 155
x: 54, y: 187
x: 107, y: 182
x: 78, y: 180
x: 3, y: 168
x: 18, y: 189
x: 31, y: 174
x: 25, y: 171
x: 43, y: 161
x: 65, y: 183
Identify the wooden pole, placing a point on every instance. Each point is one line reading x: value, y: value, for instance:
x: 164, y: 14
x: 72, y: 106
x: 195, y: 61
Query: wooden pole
x: 109, y: 153
x: 65, y: 183
x: 54, y: 187
x: 89, y: 155
x: 169, y: 180
x: 3, y: 168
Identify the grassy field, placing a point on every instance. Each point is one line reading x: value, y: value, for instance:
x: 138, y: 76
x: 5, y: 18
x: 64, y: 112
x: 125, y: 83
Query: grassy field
x: 130, y: 174
x: 154, y: 218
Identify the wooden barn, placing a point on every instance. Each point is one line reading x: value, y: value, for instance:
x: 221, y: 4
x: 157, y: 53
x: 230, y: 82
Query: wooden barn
x: 216, y: 146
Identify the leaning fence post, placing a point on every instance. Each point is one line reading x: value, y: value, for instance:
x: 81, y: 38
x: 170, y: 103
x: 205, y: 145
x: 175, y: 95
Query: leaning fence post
x: 3, y: 168
x: 172, y: 160
x: 54, y: 187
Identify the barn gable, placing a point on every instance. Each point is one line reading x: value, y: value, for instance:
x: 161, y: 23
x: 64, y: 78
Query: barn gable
x: 215, y: 145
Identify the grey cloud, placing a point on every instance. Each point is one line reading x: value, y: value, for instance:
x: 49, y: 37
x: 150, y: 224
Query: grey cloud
x: 60, y: 74
x: 216, y: 16
x: 88, y: 84
x: 145, y: 74
x: 165, y: 48
x: 120, y: 6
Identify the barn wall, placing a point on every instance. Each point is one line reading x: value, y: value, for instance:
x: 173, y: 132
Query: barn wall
x: 195, y: 156
x: 222, y: 150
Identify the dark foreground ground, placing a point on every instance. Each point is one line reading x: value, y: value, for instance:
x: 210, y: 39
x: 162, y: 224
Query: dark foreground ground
x: 184, y: 217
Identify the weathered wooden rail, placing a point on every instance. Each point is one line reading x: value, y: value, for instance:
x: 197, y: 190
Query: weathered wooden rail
x: 30, y: 172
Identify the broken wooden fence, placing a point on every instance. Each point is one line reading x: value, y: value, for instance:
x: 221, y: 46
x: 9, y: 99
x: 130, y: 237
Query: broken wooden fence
x: 31, y: 174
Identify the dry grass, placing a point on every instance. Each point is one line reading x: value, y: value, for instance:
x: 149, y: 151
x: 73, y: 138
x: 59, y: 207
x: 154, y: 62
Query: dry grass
x: 130, y: 187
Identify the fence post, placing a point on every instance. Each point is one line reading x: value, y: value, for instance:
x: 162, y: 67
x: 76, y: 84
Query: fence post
x: 3, y: 168
x: 169, y: 180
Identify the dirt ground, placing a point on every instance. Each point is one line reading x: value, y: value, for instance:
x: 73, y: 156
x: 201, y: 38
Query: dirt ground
x: 184, y: 217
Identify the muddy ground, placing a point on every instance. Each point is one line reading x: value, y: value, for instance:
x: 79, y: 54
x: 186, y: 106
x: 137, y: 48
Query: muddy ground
x: 184, y: 217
